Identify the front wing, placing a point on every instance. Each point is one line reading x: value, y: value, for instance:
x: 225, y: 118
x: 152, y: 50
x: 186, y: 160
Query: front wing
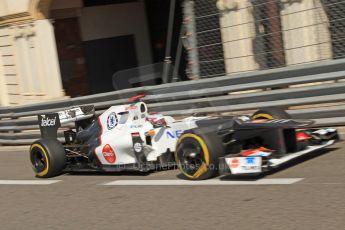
x: 261, y: 161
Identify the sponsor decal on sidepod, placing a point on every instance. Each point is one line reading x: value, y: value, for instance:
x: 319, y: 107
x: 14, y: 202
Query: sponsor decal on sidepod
x: 109, y: 154
x: 175, y: 134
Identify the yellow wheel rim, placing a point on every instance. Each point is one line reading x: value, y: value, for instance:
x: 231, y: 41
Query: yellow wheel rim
x: 45, y: 171
x: 203, y: 168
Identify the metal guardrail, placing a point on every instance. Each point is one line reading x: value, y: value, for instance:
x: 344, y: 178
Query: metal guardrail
x: 314, y: 91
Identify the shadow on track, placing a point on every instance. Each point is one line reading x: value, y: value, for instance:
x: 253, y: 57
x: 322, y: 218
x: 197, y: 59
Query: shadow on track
x: 98, y: 173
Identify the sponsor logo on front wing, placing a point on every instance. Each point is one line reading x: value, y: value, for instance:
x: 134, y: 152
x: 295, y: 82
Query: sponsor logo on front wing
x: 234, y: 163
x: 242, y: 165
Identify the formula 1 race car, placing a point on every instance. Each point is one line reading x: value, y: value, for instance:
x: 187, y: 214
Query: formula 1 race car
x: 127, y: 137
x: 249, y: 146
x: 124, y: 137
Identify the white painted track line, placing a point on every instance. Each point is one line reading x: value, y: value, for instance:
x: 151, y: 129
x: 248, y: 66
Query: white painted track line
x: 278, y: 181
x: 28, y: 182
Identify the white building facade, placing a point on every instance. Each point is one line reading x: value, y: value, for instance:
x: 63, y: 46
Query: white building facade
x: 47, y: 46
x: 29, y: 69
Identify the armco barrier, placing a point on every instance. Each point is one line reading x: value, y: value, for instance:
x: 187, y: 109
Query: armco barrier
x: 314, y: 91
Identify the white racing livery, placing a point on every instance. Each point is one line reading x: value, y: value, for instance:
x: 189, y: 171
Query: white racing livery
x: 131, y: 135
x: 124, y: 137
x: 128, y: 137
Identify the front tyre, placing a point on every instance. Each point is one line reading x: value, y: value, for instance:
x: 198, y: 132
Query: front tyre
x: 48, y: 158
x: 197, y: 155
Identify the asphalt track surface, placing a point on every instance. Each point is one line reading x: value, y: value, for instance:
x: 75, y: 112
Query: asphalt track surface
x: 313, y: 198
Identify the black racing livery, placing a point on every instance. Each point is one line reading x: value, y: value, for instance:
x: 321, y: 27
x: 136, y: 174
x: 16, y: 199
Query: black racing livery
x: 232, y: 145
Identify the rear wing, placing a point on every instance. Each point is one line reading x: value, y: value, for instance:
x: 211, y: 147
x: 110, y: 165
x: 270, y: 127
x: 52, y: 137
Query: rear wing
x: 50, y: 123
x: 76, y: 114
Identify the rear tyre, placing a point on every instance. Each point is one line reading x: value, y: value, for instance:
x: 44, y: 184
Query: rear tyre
x: 197, y: 154
x: 48, y: 158
x: 270, y: 113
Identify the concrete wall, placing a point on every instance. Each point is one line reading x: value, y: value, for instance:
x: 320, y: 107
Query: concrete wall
x: 3, y: 86
x: 30, y: 70
x: 108, y: 21
x: 237, y: 37
x: 305, y: 32
x: 304, y: 23
x: 10, y: 85
x: 10, y: 7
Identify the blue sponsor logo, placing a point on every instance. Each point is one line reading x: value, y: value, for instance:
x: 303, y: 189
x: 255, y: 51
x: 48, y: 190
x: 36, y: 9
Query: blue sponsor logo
x: 112, y: 121
x: 174, y: 134
x: 250, y: 160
